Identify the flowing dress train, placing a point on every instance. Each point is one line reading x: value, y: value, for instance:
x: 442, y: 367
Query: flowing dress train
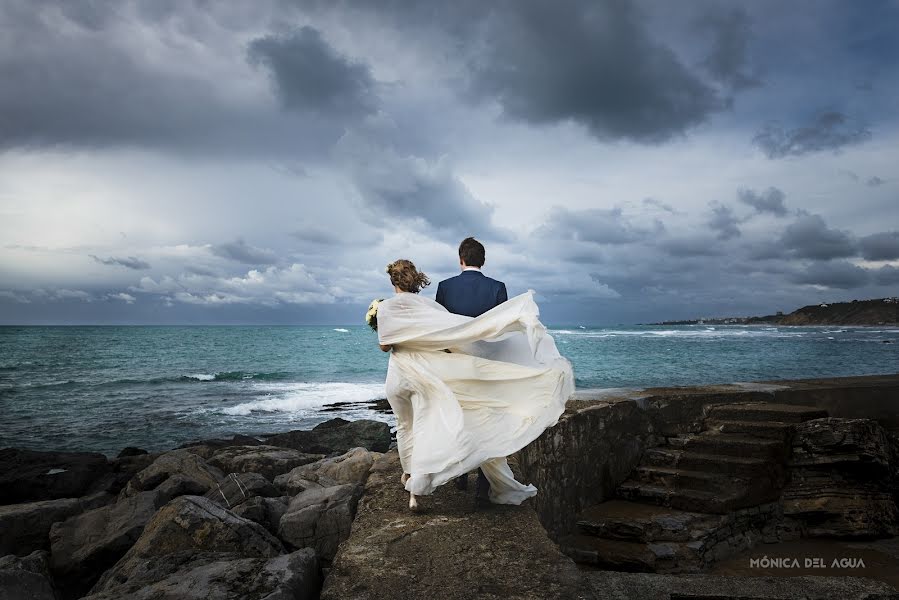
x: 500, y: 386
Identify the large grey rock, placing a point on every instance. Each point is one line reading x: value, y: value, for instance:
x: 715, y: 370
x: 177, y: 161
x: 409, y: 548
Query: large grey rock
x: 195, y: 524
x: 265, y: 511
x: 842, y: 479
x: 24, y: 527
x: 122, y: 469
x: 222, y: 576
x: 28, y: 475
x: 177, y: 462
x: 269, y: 461
x: 851, y: 443
x: 206, y: 448
x: 320, y: 518
x: 337, y: 436
x: 238, y: 488
x: 351, y: 467
x: 85, y: 545
x: 26, y: 578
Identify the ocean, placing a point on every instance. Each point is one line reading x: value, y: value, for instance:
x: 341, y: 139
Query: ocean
x: 104, y: 388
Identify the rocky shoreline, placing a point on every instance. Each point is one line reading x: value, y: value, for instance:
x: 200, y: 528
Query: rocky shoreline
x: 244, y: 517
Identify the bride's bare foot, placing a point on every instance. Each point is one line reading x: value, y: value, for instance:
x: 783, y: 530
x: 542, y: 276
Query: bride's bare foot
x: 404, y: 478
x: 413, y: 503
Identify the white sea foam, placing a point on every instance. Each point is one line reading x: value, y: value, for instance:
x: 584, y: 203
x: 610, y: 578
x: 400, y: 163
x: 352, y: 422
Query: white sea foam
x: 341, y: 330
x: 201, y: 376
x: 276, y: 397
x: 709, y: 332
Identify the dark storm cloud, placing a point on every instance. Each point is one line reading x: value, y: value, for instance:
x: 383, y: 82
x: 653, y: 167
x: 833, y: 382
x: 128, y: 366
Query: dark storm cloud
x: 310, y: 75
x: 728, y: 60
x: 880, y: 246
x: 597, y: 226
x: 828, y: 131
x: 394, y: 186
x: 242, y: 252
x: 129, y: 262
x: 810, y: 237
x: 771, y: 201
x: 74, y: 75
x: 887, y: 275
x: 874, y: 181
x: 724, y: 222
x: 593, y: 63
x: 833, y: 274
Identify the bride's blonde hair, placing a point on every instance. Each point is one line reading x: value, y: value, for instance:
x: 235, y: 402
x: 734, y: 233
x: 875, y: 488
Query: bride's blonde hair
x: 406, y: 277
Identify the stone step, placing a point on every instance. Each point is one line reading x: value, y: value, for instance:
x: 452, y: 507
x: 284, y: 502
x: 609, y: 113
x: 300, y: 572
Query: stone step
x: 636, y: 522
x: 616, y: 555
x: 775, y: 430
x: 684, y: 499
x: 675, y: 478
x: 786, y: 413
x: 712, y: 463
x: 737, y: 445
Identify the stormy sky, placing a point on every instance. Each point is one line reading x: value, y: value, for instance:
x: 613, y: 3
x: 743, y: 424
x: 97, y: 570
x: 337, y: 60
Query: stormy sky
x: 631, y: 161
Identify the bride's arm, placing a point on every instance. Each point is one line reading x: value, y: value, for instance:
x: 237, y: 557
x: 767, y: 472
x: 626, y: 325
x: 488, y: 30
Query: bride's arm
x: 385, y: 348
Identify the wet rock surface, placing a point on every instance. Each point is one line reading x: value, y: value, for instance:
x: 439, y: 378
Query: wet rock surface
x: 28, y: 475
x: 336, y: 436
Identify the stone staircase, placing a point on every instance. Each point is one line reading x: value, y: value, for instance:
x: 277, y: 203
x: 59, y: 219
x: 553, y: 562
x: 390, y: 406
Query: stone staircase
x: 698, y: 497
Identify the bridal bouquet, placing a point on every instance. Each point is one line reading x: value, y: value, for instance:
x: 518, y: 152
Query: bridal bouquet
x: 371, y: 317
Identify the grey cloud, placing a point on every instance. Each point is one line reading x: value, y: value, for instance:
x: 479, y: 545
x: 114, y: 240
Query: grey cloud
x: 880, y: 246
x: 336, y: 236
x: 688, y: 247
x: 75, y: 75
x: 394, y: 186
x: 659, y: 204
x: 833, y: 274
x: 310, y: 75
x: 597, y: 226
x: 129, y: 262
x: 809, y: 237
x: 242, y: 252
x: 887, y: 275
x: 728, y: 60
x: 770, y: 201
x: 724, y: 222
x: 875, y: 181
x: 591, y: 63
x: 827, y: 131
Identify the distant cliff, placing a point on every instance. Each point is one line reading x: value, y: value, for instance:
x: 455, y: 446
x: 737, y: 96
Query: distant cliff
x: 884, y: 311
x: 881, y: 311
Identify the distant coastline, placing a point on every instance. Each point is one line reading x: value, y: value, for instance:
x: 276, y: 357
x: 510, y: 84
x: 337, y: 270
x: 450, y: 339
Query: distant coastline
x: 879, y: 311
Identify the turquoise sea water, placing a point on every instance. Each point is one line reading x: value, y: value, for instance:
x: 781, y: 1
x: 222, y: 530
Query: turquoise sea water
x: 103, y: 388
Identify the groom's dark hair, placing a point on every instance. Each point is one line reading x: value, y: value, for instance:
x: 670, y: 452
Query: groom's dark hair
x: 472, y: 252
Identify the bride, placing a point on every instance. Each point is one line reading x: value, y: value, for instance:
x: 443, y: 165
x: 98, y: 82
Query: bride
x: 467, y: 392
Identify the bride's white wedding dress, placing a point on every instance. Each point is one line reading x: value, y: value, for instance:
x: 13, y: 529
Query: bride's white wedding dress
x: 500, y: 386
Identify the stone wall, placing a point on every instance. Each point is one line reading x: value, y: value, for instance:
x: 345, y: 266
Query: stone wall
x: 583, y: 459
x: 598, y: 442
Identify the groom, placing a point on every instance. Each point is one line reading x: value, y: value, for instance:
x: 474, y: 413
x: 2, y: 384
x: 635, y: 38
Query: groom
x: 471, y: 293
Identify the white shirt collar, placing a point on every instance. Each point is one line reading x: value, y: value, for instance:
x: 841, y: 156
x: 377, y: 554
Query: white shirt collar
x: 478, y: 269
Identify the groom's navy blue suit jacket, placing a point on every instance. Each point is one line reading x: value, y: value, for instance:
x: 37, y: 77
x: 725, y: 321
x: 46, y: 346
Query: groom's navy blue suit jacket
x: 471, y: 293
